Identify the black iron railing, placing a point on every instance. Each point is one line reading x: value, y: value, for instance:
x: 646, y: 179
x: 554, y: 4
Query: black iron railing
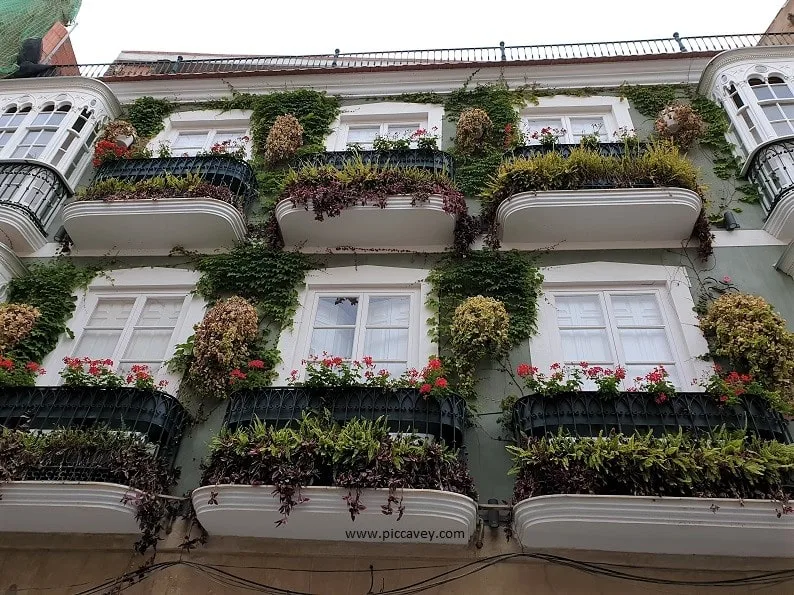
x: 35, y: 190
x: 218, y: 170
x: 605, y: 149
x: 404, y: 408
x: 676, y: 45
x: 588, y: 413
x: 772, y: 169
x: 156, y: 417
x: 428, y: 159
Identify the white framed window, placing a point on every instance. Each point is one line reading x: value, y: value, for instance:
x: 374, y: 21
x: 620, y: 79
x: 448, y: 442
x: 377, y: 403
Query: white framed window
x: 192, y: 132
x: 575, y: 117
x: 610, y: 314
x: 352, y: 312
x: 41, y: 131
x: 132, y: 316
x: 358, y: 125
x: 10, y: 120
x: 776, y: 100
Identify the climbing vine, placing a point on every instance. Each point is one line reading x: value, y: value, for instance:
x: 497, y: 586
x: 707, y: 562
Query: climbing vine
x: 509, y: 277
x: 50, y: 288
x: 146, y: 114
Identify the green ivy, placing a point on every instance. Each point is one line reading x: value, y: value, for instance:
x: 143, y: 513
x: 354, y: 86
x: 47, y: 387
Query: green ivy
x: 146, y: 114
x: 49, y: 287
x: 649, y: 100
x: 509, y: 277
x: 270, y: 279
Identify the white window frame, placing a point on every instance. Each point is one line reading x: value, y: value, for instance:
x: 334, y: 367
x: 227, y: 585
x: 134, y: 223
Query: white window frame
x: 381, y: 114
x: 368, y: 279
x: 672, y: 286
x: 614, y: 111
x: 203, y: 121
x: 131, y: 283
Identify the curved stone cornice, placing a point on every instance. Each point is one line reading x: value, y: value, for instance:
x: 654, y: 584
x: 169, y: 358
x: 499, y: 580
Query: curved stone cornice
x: 733, y: 57
x: 62, y: 84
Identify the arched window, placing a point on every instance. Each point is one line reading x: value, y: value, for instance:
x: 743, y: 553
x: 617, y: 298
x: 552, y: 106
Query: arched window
x: 744, y: 114
x: 41, y: 131
x: 10, y: 120
x: 776, y: 100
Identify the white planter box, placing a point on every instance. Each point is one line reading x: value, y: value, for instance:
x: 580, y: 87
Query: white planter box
x: 707, y: 526
x: 431, y: 516
x: 66, y: 507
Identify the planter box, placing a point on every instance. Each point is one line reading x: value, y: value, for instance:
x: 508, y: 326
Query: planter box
x: 69, y: 507
x: 157, y: 416
x: 430, y: 516
x: 706, y: 526
x: 586, y: 413
x: 432, y: 160
x: 404, y: 408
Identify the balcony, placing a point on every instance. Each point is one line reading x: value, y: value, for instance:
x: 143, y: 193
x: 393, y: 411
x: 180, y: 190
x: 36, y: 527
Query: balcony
x: 583, y: 198
x: 81, y: 487
x: 772, y: 169
x: 620, y: 149
x: 436, y: 161
x: 588, y: 413
x: 213, y: 217
x: 30, y: 197
x: 239, y: 496
x: 404, y: 409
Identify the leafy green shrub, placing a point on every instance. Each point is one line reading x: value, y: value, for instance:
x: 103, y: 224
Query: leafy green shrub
x: 748, y: 331
x: 358, y: 455
x: 720, y: 466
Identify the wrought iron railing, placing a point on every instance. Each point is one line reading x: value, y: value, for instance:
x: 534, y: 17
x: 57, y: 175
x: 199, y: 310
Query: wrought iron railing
x: 156, y: 417
x: 404, y: 409
x: 218, y: 170
x: 702, y: 45
x: 588, y: 413
x: 772, y: 169
x: 428, y: 159
x: 35, y: 190
x: 605, y: 149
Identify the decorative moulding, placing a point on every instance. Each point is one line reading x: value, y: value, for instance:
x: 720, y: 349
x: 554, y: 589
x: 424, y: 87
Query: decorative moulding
x: 781, y: 220
x: 399, y: 225
x: 153, y: 225
x: 706, y: 526
x: 609, y: 216
x: 66, y: 507
x: 18, y: 232
x: 430, y: 516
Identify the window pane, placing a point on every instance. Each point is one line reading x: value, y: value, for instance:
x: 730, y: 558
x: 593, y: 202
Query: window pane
x: 363, y: 135
x: 772, y: 112
x: 590, y: 345
x: 632, y: 372
x: 582, y: 126
x: 336, y: 311
x: 160, y: 312
x: 788, y: 110
x: 97, y: 344
x: 387, y: 344
x: 148, y: 344
x: 763, y: 92
x: 782, y: 127
x: 333, y: 341
x: 395, y: 369
x: 645, y: 345
x: 56, y: 119
x: 389, y: 311
x: 782, y: 91
x: 111, y: 313
x: 579, y: 310
x: 402, y: 130
x: 636, y: 310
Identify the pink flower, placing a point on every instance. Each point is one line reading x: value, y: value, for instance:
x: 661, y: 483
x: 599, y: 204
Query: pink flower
x: 256, y: 364
x: 524, y: 370
x: 425, y: 389
x: 726, y: 279
x: 434, y: 364
x: 441, y: 383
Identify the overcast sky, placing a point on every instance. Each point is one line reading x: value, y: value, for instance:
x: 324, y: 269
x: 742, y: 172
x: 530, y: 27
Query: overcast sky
x: 267, y: 27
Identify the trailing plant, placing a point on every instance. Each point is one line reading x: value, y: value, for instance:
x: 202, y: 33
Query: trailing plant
x: 16, y: 322
x: 681, y: 124
x: 146, y: 114
x: 284, y: 139
x: 649, y: 100
x: 473, y: 130
x: 358, y: 455
x: 509, y: 277
x: 728, y: 388
x: 479, y: 330
x: 747, y: 330
x: 656, y: 383
x: 232, y: 147
x: 725, y: 465
x: 549, y: 136
x: 18, y: 374
x: 166, y: 186
x: 99, y: 373
x: 106, y: 151
x: 48, y: 287
x: 99, y: 454
x: 221, y: 343
x: 255, y: 374
x: 328, y: 190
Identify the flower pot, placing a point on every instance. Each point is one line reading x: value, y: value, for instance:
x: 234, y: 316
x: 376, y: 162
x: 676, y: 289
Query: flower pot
x: 124, y: 140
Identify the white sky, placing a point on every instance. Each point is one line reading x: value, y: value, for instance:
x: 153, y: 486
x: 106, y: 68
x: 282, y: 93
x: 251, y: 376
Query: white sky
x: 267, y: 27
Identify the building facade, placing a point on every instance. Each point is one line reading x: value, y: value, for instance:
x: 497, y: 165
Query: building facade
x: 345, y: 295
